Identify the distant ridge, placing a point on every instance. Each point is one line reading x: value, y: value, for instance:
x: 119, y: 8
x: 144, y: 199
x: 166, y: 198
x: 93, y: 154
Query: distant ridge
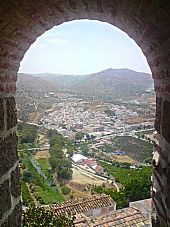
x: 33, y: 83
x: 108, y: 84
x: 115, y: 84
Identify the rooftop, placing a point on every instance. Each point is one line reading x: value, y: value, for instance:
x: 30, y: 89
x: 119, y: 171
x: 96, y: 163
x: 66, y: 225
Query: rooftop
x: 81, y: 205
x: 78, y: 157
x: 119, y: 218
x: 145, y: 206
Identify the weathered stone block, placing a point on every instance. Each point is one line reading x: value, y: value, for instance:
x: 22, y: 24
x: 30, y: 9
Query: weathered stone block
x: 14, y: 220
x: 11, y: 112
x: 158, y: 114
x: 15, y: 185
x: 165, y: 120
x: 5, y: 198
x: 9, y: 154
x: 1, y: 115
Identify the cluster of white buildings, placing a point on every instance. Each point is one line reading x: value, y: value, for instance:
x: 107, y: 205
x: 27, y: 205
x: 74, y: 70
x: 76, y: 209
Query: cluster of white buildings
x: 75, y: 115
x: 87, y: 164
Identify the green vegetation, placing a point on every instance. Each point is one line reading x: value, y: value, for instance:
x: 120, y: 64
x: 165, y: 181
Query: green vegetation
x: 27, y: 199
x: 40, y: 189
x: 124, y: 174
x: 39, y: 178
x: 45, y: 167
x: 107, y: 148
x: 140, y: 150
x: 60, y: 165
x: 34, y: 186
x: 136, y: 184
x: 39, y: 216
x: 79, y: 136
x: 27, y: 133
x: 84, y: 149
x: 66, y: 190
x: 119, y: 197
x: 57, y: 139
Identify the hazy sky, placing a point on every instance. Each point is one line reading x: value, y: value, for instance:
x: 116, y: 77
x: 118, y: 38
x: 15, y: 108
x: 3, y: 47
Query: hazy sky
x: 83, y: 47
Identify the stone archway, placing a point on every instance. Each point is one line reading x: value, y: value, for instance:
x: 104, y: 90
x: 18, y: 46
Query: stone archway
x: 22, y: 21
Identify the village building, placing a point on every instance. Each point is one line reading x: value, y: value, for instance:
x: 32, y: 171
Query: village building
x: 91, y: 207
x: 78, y: 158
x: 100, y: 210
x: 87, y: 164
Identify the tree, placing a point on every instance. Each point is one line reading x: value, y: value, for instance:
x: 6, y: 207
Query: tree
x: 79, y: 136
x: 107, y: 148
x: 66, y: 190
x: 27, y: 176
x: 54, y: 164
x: 60, y: 165
x: 41, y: 216
x: 85, y: 149
x: 27, y: 133
x: 56, y: 151
x: 87, y: 136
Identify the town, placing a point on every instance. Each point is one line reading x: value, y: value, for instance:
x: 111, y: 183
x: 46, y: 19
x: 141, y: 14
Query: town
x: 96, y: 118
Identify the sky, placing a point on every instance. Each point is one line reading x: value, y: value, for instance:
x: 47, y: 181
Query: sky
x: 83, y: 47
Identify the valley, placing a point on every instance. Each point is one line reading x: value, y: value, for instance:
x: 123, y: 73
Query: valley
x: 111, y: 135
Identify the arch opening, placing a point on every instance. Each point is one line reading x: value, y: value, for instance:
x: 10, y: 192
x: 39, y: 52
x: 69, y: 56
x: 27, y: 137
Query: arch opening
x: 65, y: 46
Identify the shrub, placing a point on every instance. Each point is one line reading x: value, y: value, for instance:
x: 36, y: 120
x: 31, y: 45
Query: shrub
x: 65, y: 190
x: 39, y: 216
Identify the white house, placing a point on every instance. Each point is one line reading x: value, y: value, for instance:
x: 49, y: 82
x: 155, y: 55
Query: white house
x: 78, y: 158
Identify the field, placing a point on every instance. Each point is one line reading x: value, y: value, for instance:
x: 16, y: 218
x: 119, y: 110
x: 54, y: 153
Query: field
x: 42, y: 154
x: 82, y: 177
x: 137, y: 120
x: 137, y: 149
x: 124, y: 158
x: 82, y: 182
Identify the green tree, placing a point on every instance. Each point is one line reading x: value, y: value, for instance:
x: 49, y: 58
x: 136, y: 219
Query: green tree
x: 85, y: 149
x: 40, y: 216
x: 27, y: 133
x: 66, y: 190
x: 60, y: 165
x: 79, y: 136
x: 56, y: 151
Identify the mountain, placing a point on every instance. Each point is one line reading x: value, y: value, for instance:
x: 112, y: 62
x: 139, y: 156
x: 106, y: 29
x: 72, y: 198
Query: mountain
x: 108, y: 84
x: 33, y: 83
x: 64, y: 82
x: 114, y: 84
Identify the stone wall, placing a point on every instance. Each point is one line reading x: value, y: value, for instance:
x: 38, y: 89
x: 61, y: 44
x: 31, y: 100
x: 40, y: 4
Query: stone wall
x: 10, y: 192
x: 21, y: 22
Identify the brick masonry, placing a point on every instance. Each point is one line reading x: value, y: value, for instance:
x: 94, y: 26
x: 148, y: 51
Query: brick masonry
x: 21, y: 22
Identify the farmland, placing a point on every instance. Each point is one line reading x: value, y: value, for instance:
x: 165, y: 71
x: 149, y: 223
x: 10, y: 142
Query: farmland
x: 137, y: 149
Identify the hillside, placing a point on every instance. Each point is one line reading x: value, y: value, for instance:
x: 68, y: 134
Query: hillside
x: 114, y: 84
x: 108, y: 84
x: 28, y: 82
x: 64, y: 82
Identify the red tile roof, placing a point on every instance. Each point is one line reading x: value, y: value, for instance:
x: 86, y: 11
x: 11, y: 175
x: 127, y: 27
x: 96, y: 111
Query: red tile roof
x: 119, y: 218
x: 81, y: 205
x: 90, y: 162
